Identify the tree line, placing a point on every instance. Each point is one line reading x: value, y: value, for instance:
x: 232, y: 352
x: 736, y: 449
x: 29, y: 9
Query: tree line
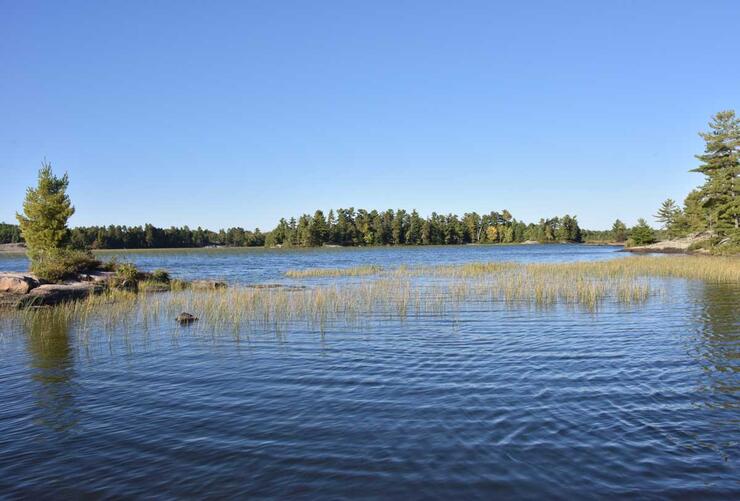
x: 345, y: 227
x: 350, y: 227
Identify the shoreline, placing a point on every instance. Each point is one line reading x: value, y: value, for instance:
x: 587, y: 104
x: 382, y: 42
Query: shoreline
x: 10, y: 249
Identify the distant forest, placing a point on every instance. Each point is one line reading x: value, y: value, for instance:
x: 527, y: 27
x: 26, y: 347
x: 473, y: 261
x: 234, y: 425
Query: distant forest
x: 345, y: 227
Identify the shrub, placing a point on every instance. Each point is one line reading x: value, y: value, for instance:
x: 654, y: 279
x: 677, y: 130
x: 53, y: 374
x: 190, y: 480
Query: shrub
x: 126, y: 276
x: 160, y: 276
x: 109, y: 265
x: 642, y: 234
x: 55, y: 265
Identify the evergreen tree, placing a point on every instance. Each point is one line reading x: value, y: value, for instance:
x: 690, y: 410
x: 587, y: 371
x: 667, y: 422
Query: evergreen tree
x: 46, y: 210
x: 642, y: 234
x: 669, y: 215
x: 720, y: 163
x: 619, y: 231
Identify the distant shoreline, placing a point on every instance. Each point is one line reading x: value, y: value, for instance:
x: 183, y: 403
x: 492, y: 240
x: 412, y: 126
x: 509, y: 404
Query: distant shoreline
x: 21, y: 249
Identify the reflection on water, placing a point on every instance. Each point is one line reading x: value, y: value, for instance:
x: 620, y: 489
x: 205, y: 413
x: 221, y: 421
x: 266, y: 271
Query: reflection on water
x: 718, y: 345
x: 52, y: 370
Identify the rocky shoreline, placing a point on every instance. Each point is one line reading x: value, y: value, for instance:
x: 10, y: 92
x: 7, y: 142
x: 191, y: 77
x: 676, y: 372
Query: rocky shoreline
x: 685, y: 245
x: 19, y: 290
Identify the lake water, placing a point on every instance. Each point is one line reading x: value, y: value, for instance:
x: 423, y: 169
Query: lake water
x: 489, y: 401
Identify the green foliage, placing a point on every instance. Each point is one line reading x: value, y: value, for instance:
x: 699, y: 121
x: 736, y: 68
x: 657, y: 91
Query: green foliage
x: 642, y: 234
x: 161, y: 276
x: 672, y: 218
x: 720, y: 163
x: 350, y: 227
x: 10, y: 234
x: 126, y: 276
x: 46, y: 210
x: 55, y: 265
x: 619, y: 231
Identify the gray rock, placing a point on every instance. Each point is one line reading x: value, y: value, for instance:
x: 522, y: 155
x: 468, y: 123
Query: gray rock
x: 17, y: 283
x: 185, y: 318
x: 51, y: 294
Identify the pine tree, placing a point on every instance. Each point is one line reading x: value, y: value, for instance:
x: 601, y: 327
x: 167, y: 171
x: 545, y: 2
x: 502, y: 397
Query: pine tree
x: 670, y: 215
x: 619, y: 231
x: 46, y: 210
x: 642, y: 234
x: 721, y: 165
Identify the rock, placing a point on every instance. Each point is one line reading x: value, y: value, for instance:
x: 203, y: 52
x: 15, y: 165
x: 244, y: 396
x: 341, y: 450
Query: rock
x: 676, y: 246
x: 207, y: 285
x: 51, y: 294
x: 97, y: 276
x: 185, y: 318
x: 17, y: 283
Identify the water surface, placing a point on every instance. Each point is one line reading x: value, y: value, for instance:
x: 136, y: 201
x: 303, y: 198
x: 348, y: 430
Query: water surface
x: 491, y: 400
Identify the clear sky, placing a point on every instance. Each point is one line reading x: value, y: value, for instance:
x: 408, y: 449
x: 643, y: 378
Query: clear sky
x: 237, y: 113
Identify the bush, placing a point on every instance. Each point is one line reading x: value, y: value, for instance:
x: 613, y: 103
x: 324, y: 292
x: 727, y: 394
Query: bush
x: 126, y: 276
x: 56, y: 265
x: 109, y: 265
x: 160, y: 276
x: 642, y: 234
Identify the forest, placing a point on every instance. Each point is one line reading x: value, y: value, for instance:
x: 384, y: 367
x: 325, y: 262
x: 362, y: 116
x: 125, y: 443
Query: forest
x: 345, y: 227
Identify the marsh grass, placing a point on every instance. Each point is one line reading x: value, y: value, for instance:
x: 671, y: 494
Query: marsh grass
x: 394, y: 294
x: 355, y: 271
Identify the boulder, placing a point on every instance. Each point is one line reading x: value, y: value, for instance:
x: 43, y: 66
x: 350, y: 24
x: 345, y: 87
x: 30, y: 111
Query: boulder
x: 51, y: 294
x: 207, y: 284
x: 185, y: 318
x: 17, y: 283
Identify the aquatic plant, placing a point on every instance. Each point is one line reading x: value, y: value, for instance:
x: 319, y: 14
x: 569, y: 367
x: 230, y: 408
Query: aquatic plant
x: 400, y: 293
x: 354, y: 271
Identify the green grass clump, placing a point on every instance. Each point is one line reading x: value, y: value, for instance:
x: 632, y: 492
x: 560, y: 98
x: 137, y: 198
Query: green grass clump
x: 161, y: 276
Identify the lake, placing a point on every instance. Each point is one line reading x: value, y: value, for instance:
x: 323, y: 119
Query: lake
x: 487, y: 400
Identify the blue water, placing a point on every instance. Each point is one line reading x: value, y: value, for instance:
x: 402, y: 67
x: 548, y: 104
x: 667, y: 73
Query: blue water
x: 259, y: 265
x: 640, y: 401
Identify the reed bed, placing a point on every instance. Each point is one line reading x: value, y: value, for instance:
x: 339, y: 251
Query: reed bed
x: 355, y: 271
x: 397, y: 294
x: 708, y: 268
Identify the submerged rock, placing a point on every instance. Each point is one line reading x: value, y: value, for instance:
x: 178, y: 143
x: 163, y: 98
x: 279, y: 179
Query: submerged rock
x: 185, y: 318
x: 17, y: 283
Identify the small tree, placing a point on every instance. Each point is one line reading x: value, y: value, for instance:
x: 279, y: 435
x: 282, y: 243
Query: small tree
x: 642, y: 234
x: 43, y: 224
x: 46, y: 210
x: 671, y: 216
x: 619, y: 231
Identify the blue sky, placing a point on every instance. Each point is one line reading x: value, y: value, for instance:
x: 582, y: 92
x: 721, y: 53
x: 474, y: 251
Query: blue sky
x: 237, y: 113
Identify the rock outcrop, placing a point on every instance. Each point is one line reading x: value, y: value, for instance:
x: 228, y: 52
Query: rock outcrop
x: 24, y: 289
x: 17, y: 283
x: 51, y: 294
x: 676, y: 246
